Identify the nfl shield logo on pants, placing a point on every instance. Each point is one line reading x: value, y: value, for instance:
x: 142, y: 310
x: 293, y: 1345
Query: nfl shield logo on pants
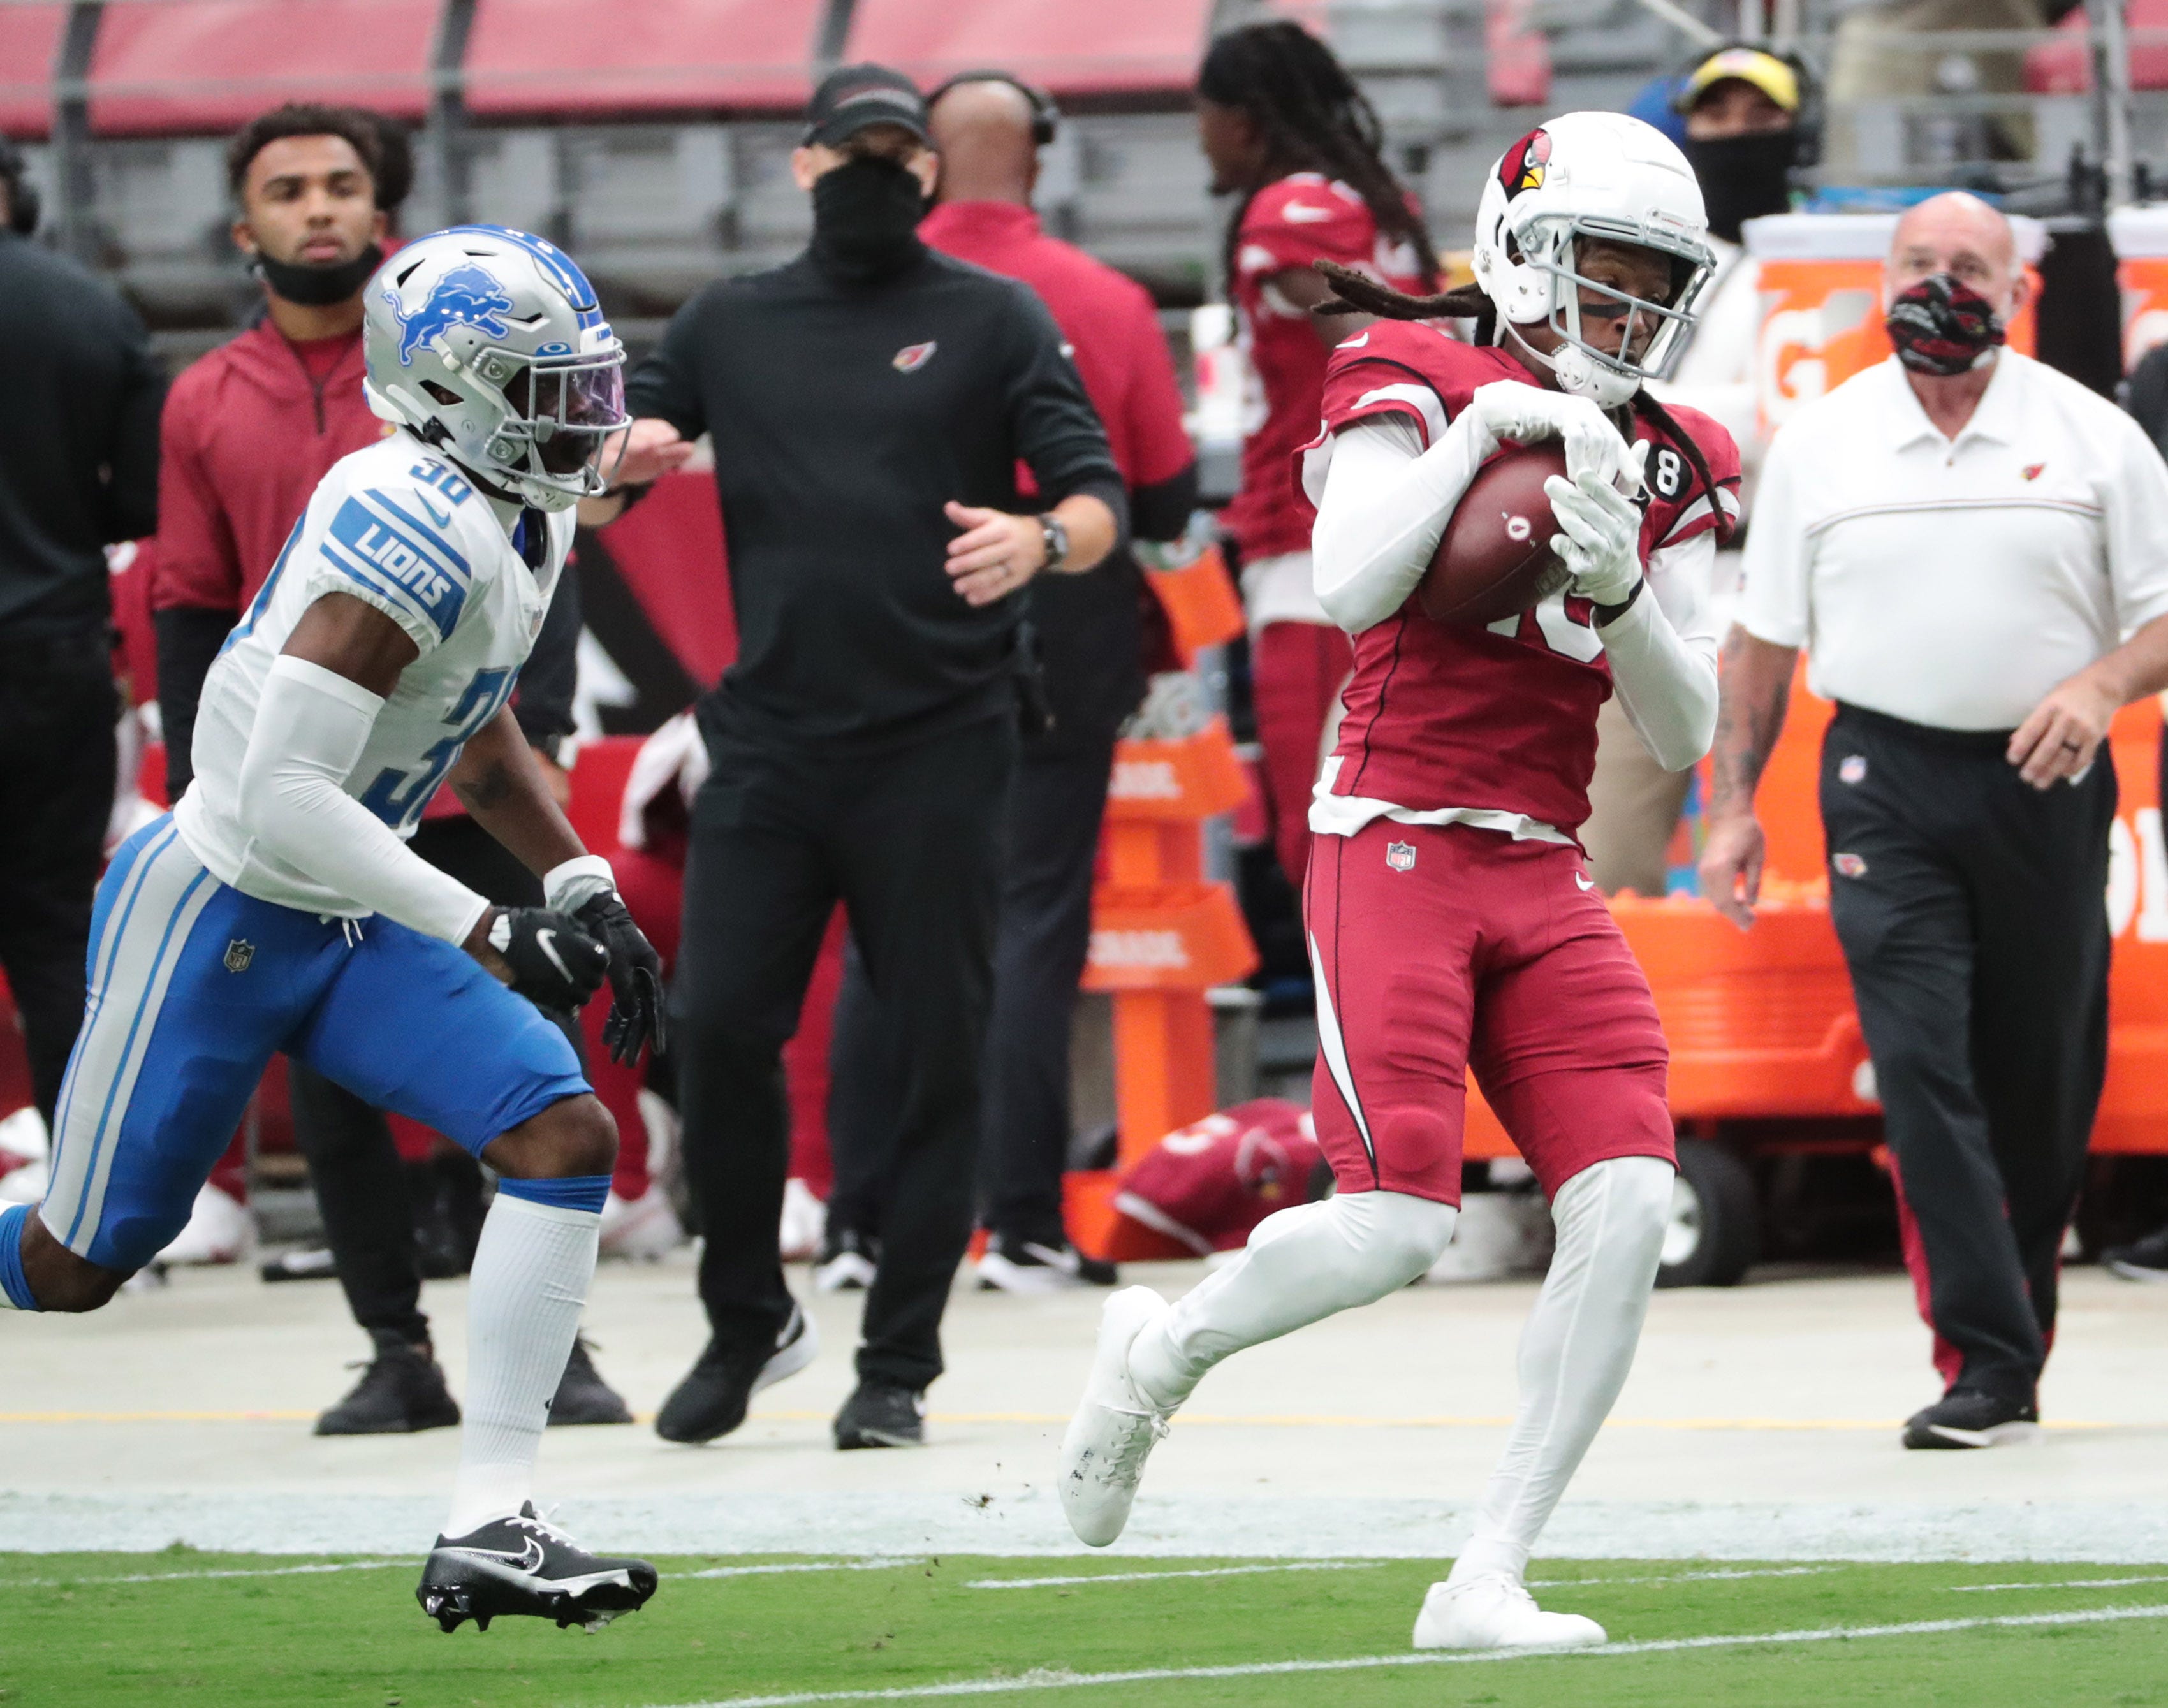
x: 1400, y: 856
x: 238, y: 954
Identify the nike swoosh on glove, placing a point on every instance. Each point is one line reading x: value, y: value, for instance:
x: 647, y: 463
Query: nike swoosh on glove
x: 554, y: 963
x: 1600, y: 543
x: 635, y: 977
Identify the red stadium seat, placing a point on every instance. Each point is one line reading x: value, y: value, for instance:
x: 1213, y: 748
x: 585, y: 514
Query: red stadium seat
x: 546, y: 58
x: 29, y: 44
x: 2064, y: 67
x: 1112, y: 47
x: 213, y: 65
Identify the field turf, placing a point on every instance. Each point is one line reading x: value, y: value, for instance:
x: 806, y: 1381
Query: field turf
x: 113, y: 1631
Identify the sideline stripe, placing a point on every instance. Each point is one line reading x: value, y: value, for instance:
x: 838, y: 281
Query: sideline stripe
x: 1693, y: 1578
x: 2061, y: 1584
x: 198, y: 1577
x: 1154, y: 1577
x: 885, y: 1563
x: 1050, y: 1679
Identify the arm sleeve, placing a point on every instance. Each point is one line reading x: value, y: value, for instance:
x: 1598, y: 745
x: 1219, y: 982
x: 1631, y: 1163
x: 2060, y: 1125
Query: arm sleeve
x: 544, y: 703
x: 188, y: 642
x: 2135, y: 494
x: 1385, y: 504
x: 132, y: 491
x: 1663, y: 656
x: 1056, y: 431
x: 196, y: 563
x: 666, y: 383
x: 1162, y: 510
x: 311, y: 725
x: 1773, y: 603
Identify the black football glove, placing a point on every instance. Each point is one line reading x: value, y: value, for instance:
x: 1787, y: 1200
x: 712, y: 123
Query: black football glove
x: 555, y: 963
x: 635, y: 977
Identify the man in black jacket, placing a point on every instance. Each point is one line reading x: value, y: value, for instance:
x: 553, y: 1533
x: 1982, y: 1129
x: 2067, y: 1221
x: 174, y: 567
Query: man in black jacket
x: 79, y: 472
x: 870, y: 402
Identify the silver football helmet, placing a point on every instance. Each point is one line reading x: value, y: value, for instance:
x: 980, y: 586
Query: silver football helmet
x: 489, y: 344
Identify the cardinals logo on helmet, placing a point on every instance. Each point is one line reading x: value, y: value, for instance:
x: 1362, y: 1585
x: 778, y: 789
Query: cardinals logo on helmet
x: 465, y: 296
x: 1523, y: 167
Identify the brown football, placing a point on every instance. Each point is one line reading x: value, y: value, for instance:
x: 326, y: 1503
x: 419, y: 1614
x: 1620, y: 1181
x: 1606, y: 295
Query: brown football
x: 1495, y: 558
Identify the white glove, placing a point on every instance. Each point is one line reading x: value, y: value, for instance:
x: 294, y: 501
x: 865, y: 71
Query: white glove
x: 1601, y: 545
x: 1506, y: 409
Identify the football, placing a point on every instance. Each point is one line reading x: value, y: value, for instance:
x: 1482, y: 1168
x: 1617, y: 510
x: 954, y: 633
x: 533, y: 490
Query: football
x: 1495, y: 558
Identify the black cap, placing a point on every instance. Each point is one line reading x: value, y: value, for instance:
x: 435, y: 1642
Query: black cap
x: 850, y: 98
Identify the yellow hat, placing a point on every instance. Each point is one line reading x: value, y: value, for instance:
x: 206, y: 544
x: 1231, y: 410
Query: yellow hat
x: 1749, y: 65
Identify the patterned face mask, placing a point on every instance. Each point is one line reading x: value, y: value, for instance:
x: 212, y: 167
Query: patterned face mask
x: 1942, y: 326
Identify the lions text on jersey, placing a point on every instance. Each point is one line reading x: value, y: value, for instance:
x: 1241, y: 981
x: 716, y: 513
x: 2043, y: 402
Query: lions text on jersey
x: 398, y: 527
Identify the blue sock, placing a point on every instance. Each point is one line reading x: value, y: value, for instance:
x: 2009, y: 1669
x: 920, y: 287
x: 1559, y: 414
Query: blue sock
x: 587, y: 1192
x: 14, y: 1286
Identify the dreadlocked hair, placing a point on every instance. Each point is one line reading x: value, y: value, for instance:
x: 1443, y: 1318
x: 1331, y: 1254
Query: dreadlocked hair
x: 1358, y: 293
x: 1313, y: 116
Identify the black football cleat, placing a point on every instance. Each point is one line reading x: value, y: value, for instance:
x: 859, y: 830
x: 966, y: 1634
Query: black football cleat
x: 525, y: 1567
x: 402, y: 1392
x: 582, y: 1396
x: 1965, y: 1417
x: 879, y: 1414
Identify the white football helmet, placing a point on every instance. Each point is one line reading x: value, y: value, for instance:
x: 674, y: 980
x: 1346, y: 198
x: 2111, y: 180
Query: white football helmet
x: 488, y: 343
x: 1594, y: 175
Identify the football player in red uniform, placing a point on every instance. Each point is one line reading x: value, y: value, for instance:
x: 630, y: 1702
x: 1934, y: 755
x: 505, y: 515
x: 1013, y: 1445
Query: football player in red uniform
x: 1285, y: 126
x: 1450, y: 921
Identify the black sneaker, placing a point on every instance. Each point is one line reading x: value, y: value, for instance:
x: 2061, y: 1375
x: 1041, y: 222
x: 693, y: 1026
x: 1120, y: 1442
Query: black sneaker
x: 2141, y: 1260
x: 582, y: 1396
x: 1965, y: 1417
x: 846, y: 1262
x: 1028, y: 1266
x: 878, y: 1415
x: 522, y: 1565
x: 401, y: 1392
x: 711, y: 1400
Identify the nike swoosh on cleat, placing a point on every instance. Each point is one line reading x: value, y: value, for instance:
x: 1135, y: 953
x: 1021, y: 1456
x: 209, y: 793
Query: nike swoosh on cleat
x: 527, y: 1560
x: 546, y: 940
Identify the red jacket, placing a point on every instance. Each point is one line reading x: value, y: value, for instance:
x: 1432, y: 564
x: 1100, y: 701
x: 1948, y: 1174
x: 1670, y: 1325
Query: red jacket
x: 246, y: 434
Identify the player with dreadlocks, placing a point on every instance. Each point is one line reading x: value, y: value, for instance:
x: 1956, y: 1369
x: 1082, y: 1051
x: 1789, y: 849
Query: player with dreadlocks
x: 1450, y: 924
x: 1285, y: 127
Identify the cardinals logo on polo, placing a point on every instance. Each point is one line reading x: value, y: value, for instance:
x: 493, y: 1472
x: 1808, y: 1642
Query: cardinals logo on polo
x: 465, y: 296
x: 1523, y: 167
x: 2031, y: 471
x: 913, y: 356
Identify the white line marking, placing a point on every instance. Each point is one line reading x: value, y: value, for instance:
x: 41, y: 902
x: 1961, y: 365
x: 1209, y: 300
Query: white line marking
x: 1153, y: 1577
x: 197, y: 1576
x: 2062, y: 1584
x: 1052, y: 1679
x: 881, y: 1565
x: 1685, y: 1577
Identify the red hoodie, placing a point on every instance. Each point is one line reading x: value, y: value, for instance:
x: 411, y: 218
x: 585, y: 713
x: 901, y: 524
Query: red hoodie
x: 248, y: 431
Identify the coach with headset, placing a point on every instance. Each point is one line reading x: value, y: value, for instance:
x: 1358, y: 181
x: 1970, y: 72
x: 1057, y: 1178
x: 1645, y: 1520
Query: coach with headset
x: 79, y: 472
x: 870, y: 403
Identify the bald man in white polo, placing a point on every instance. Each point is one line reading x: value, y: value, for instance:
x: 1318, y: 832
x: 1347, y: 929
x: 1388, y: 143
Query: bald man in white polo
x: 1973, y: 551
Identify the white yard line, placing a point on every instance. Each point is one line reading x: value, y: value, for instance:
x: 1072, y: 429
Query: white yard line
x: 1144, y: 1577
x: 887, y: 1563
x: 1053, y: 1680
x: 2062, y: 1584
x: 196, y: 1577
x: 1682, y: 1577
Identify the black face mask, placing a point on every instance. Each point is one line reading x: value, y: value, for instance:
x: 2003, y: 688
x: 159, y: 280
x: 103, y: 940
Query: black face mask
x: 1743, y: 177
x: 865, y: 220
x: 318, y: 286
x: 1942, y: 326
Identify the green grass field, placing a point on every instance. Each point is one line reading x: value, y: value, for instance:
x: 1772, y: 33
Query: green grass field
x: 112, y: 1631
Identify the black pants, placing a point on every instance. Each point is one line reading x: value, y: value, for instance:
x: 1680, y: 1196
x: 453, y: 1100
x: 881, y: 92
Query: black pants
x: 57, y: 710
x: 1969, y: 907
x: 910, y: 841
x: 360, y: 1184
x: 1056, y: 803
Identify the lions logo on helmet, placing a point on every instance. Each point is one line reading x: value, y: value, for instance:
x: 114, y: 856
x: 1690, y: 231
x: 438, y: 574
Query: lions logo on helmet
x: 465, y: 296
x: 1523, y: 168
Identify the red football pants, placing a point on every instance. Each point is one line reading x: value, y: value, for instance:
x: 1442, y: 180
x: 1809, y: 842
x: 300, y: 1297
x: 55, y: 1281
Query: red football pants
x: 1438, y: 948
x: 1296, y: 669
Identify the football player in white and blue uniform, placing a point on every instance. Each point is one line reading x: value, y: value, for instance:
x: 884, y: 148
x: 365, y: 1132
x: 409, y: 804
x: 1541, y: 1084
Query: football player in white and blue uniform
x: 278, y: 907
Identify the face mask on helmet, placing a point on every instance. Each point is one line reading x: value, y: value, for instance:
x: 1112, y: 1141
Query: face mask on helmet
x: 1622, y: 303
x: 560, y: 426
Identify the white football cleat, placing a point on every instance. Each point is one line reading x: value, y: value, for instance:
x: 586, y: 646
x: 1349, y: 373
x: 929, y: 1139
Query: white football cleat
x: 1115, y: 1428
x: 1495, y: 1612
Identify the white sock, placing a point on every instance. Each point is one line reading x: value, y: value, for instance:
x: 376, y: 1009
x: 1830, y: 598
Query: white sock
x: 530, y: 1285
x: 1300, y: 1265
x: 1575, y: 1352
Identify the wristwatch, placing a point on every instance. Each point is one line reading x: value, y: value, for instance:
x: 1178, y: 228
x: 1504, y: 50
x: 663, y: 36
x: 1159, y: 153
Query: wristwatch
x: 1055, y: 537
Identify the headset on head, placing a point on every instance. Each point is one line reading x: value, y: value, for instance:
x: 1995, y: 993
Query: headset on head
x: 1807, y: 122
x: 1045, y: 116
x: 22, y: 201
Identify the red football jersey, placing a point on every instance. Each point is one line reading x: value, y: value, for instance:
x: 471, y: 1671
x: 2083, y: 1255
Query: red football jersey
x: 1296, y: 222
x: 1502, y: 718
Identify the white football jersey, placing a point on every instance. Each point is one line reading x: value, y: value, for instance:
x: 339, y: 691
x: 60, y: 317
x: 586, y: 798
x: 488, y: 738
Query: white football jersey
x: 396, y: 527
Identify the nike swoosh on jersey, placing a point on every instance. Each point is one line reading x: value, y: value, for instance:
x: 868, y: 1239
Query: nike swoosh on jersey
x: 1583, y: 884
x: 1302, y: 214
x: 443, y: 518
